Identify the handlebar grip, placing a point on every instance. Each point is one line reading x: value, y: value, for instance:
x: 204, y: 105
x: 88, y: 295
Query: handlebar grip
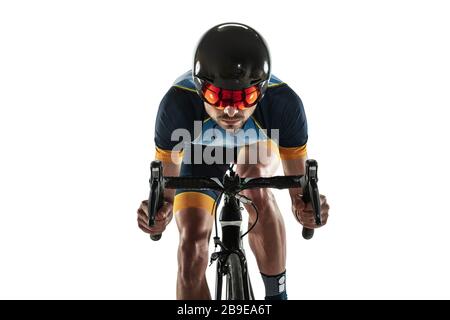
x: 307, y: 233
x: 155, y: 237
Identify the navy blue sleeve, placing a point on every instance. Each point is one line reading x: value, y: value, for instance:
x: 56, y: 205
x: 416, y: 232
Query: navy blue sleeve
x: 290, y: 118
x: 175, y: 112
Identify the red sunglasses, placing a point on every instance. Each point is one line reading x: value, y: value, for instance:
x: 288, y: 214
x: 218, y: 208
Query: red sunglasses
x: 221, y: 98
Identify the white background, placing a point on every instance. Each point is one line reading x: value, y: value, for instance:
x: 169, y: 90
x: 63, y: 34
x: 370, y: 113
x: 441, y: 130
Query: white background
x: 80, y: 84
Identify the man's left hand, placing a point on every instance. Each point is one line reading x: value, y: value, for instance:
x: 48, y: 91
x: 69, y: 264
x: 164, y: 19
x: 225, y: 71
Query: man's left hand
x: 305, y: 215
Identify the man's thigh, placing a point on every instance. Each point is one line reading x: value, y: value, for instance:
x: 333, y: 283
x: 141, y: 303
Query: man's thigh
x: 194, y: 209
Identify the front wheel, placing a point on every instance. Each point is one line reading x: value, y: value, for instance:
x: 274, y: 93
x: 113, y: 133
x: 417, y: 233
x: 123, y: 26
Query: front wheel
x: 238, y: 282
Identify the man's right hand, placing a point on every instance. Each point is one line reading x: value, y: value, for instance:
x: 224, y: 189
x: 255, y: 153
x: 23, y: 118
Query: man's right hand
x: 162, y: 219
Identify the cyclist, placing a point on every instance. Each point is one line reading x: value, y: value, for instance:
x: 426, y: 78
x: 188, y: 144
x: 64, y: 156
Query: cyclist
x: 231, y: 91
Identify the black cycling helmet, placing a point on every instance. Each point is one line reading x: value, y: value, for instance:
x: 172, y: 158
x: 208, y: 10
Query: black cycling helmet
x: 232, y: 56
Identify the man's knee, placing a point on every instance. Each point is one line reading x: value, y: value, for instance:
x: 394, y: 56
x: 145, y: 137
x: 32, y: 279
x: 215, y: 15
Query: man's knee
x: 263, y: 199
x: 193, y: 248
x: 193, y: 259
x: 195, y: 229
x: 258, y: 160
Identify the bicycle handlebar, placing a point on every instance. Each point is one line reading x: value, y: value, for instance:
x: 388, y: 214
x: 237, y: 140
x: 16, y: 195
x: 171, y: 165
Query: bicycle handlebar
x: 197, y: 183
x: 278, y: 182
x: 307, y: 182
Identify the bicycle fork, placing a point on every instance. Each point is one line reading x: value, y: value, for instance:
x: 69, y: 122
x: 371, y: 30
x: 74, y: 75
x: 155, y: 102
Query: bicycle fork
x: 231, y: 244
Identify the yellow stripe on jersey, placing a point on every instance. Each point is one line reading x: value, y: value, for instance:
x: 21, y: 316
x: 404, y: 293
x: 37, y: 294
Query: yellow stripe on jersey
x: 185, y: 88
x: 191, y: 199
x: 169, y: 155
x: 291, y: 153
x: 275, y: 84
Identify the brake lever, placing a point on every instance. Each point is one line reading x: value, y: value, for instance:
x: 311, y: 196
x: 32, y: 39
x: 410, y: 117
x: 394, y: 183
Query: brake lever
x: 311, y: 194
x: 156, y: 196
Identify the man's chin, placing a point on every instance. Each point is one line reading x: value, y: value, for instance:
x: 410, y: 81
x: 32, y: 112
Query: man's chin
x: 231, y: 126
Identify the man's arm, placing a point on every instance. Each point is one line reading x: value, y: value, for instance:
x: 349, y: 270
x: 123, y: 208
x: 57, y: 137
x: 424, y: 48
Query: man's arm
x: 165, y: 214
x: 174, y: 113
x: 170, y: 169
x: 294, y: 167
x: 303, y: 213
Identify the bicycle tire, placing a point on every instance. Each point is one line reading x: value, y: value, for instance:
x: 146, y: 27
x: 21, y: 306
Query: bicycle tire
x: 235, y: 280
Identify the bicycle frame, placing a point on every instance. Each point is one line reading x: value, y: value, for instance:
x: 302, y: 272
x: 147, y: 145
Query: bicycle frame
x: 231, y: 221
x: 231, y: 260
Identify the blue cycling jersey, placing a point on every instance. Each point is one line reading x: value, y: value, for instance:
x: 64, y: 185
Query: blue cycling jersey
x: 280, y: 109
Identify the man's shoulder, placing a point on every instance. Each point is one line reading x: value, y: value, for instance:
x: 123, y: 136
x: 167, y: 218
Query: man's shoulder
x: 182, y: 91
x: 181, y: 101
x: 279, y: 94
x: 274, y: 81
x: 185, y: 82
x: 279, y: 103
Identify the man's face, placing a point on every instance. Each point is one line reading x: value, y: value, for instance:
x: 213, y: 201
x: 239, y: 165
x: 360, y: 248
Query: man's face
x: 229, y: 118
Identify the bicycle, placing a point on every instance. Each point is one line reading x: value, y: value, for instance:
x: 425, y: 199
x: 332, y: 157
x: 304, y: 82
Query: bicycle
x: 231, y: 259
